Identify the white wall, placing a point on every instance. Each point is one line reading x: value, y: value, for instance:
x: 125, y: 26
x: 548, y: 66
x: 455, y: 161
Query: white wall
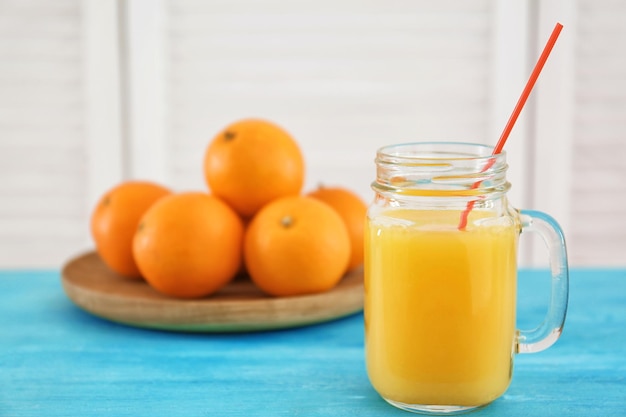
x: 92, y: 92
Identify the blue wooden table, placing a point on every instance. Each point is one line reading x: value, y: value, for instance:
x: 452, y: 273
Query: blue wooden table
x: 56, y: 360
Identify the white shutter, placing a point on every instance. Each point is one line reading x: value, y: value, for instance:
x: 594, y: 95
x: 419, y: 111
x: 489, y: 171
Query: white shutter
x: 60, y: 132
x: 343, y: 77
x: 598, y: 184
x: 42, y: 155
x: 95, y: 91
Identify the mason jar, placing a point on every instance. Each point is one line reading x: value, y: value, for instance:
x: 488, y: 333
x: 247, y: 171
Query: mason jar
x: 441, y: 244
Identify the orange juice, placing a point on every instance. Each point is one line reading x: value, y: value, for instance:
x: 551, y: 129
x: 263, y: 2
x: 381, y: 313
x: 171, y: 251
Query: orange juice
x: 440, y: 306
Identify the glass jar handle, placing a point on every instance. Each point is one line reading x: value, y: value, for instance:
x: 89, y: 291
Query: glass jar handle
x: 544, y: 336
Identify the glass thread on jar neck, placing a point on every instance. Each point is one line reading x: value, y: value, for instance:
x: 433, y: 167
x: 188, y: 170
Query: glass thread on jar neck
x: 441, y: 170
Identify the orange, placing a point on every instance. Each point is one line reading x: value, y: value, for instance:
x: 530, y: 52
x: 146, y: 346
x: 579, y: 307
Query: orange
x: 115, y: 219
x: 296, y: 245
x: 252, y: 162
x: 188, y: 245
x: 352, y: 210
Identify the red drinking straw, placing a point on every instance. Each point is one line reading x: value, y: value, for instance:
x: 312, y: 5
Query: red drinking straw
x: 516, y: 112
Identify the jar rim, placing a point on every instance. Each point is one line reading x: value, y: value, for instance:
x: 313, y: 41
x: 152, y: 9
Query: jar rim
x: 441, y: 169
x: 436, y: 151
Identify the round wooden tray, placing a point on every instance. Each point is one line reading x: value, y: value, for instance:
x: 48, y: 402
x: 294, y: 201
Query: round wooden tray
x: 239, y: 306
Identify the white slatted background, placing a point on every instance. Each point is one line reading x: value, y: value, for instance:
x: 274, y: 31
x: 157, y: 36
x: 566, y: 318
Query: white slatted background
x: 42, y: 147
x: 598, y: 226
x: 343, y: 77
x: 94, y: 91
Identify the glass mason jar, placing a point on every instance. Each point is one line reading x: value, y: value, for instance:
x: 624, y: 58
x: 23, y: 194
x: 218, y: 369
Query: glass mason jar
x: 440, y: 277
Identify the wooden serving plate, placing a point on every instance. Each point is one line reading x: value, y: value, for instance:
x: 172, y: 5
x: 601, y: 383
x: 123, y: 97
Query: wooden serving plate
x: 239, y: 306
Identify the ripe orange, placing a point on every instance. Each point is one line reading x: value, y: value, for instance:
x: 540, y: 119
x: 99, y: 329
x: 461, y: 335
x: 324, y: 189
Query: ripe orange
x: 115, y: 219
x: 189, y: 245
x: 296, y: 245
x: 252, y: 162
x: 352, y: 210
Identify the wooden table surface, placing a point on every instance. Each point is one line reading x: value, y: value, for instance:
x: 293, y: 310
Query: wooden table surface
x: 57, y: 360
